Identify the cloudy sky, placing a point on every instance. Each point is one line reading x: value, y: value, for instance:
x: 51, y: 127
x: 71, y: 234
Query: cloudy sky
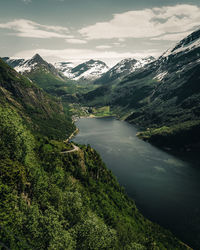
x: 109, y: 30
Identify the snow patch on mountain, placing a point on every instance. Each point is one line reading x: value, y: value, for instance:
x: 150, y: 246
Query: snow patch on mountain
x: 25, y: 67
x: 160, y: 76
x: 95, y: 71
x: 189, y: 43
x: 89, y: 70
x: 130, y: 65
x: 65, y: 68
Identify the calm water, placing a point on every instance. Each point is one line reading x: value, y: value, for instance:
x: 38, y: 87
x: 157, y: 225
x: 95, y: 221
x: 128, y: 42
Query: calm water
x: 165, y: 188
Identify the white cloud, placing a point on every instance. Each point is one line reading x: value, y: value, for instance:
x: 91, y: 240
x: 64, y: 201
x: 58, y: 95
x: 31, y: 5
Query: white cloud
x: 27, y: 28
x: 171, y: 37
x: 76, y: 41
x: 79, y: 55
x: 147, y: 23
x: 103, y: 47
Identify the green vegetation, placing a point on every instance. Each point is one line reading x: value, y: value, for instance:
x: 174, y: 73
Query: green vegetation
x: 80, y: 111
x: 51, y: 200
x: 183, y: 135
x: 45, y: 79
x: 68, y: 90
x: 102, y: 111
x: 55, y: 200
x: 41, y: 112
x: 147, y: 100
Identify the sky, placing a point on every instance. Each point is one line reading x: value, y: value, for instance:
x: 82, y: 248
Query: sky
x: 107, y: 30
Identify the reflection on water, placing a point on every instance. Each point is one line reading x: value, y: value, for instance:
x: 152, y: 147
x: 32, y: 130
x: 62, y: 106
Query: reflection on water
x: 166, y: 189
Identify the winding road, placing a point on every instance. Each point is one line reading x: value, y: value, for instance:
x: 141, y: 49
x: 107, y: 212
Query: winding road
x: 75, y: 149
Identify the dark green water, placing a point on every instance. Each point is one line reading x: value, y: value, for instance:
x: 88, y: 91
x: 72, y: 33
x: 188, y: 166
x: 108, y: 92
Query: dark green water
x: 165, y: 188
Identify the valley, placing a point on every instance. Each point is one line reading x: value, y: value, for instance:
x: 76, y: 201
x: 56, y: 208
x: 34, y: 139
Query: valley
x: 59, y: 194
x: 56, y: 200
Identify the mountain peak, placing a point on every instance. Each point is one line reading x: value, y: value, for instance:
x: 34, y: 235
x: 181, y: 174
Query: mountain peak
x: 36, y: 56
x: 92, y: 61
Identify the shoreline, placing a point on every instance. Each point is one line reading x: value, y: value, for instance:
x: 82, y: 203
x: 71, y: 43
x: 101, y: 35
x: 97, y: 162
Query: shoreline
x: 93, y: 116
x: 72, y: 135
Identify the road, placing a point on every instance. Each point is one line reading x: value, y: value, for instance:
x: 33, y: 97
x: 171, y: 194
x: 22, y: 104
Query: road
x: 75, y: 149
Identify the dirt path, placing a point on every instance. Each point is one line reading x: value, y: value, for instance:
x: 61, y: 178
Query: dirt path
x: 75, y: 149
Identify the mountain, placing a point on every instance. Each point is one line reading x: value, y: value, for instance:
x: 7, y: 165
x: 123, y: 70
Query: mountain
x: 162, y: 96
x: 173, y: 105
x: 53, y: 197
x: 65, y: 68
x: 28, y: 66
x: 39, y: 71
x: 41, y: 112
x: 13, y: 62
x: 177, y: 74
x: 87, y: 71
x: 191, y: 42
x: 108, y: 93
x: 123, y: 68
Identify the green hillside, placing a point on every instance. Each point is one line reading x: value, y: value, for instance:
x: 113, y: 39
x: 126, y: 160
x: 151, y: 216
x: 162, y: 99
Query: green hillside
x: 54, y: 199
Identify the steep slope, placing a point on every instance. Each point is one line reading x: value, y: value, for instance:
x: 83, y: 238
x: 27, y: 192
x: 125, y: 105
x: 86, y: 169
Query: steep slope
x: 13, y: 62
x: 89, y: 70
x: 110, y: 92
x: 177, y: 73
x: 53, y: 199
x: 41, y: 112
x: 39, y: 71
x: 173, y: 97
x: 65, y: 68
x: 26, y: 66
x: 123, y: 68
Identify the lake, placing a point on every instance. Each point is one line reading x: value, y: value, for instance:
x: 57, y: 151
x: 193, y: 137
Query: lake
x: 165, y: 188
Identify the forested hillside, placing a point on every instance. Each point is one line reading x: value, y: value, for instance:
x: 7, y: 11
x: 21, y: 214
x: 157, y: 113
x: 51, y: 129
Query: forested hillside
x: 52, y: 198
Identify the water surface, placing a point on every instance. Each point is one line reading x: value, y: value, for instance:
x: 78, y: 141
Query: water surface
x: 165, y: 188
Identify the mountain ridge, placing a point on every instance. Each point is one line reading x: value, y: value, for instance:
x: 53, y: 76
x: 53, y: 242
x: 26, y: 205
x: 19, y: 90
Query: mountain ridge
x: 89, y: 70
x: 123, y: 68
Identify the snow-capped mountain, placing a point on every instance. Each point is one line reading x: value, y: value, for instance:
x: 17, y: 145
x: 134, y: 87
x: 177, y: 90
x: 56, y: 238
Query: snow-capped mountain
x: 89, y: 70
x: 189, y: 43
x: 13, y: 62
x: 184, y: 55
x: 65, y: 68
x: 162, y: 92
x: 123, y: 68
x: 31, y: 65
x: 170, y: 84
